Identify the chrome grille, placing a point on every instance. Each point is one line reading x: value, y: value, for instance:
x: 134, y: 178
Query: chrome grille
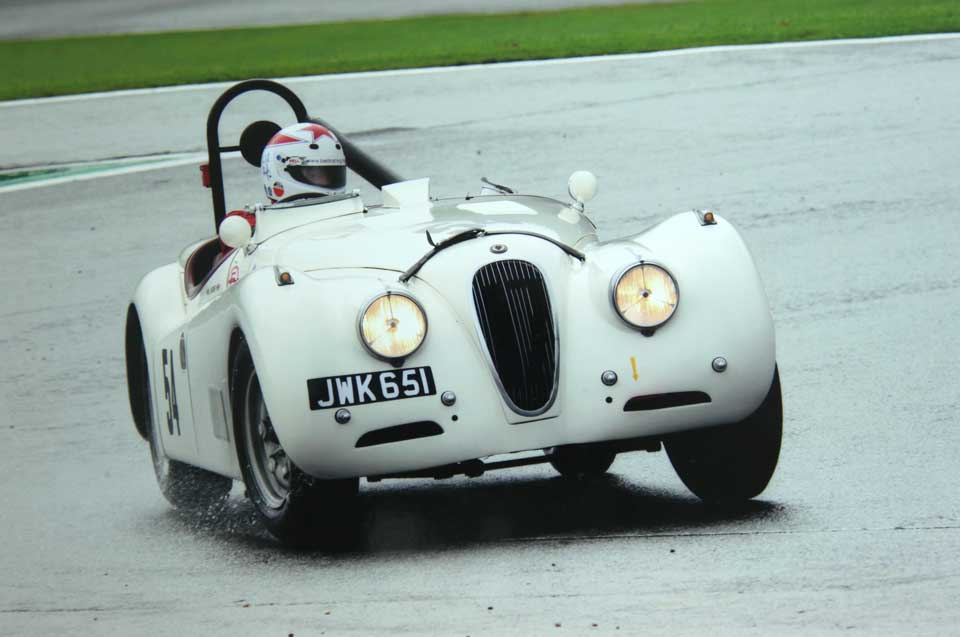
x: 513, y: 308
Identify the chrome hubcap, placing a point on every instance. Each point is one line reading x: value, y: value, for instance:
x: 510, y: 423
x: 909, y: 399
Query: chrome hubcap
x: 269, y: 464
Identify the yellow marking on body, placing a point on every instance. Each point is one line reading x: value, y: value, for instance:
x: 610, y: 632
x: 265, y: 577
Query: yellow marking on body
x: 633, y: 364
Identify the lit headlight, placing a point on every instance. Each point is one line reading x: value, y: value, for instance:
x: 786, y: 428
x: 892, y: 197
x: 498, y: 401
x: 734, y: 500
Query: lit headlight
x: 645, y: 296
x: 393, y: 326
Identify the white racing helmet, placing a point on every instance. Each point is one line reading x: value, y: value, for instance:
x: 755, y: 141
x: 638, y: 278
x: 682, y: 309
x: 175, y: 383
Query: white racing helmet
x: 303, y: 160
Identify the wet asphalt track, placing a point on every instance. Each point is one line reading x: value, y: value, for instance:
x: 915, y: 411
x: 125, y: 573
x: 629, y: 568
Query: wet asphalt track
x: 839, y: 164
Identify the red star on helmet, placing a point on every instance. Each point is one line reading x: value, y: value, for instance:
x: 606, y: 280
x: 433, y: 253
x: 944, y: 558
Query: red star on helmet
x: 309, y: 133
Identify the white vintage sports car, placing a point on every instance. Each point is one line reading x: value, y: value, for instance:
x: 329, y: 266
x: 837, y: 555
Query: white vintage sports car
x: 428, y: 337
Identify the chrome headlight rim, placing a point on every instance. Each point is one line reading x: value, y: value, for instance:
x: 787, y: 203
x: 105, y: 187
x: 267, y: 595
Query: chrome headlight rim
x: 646, y: 330
x: 363, y: 312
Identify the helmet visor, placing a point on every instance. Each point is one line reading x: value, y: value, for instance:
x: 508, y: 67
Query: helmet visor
x: 322, y: 176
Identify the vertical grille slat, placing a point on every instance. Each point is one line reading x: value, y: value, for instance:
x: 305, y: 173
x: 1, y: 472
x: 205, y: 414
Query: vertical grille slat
x: 513, y: 308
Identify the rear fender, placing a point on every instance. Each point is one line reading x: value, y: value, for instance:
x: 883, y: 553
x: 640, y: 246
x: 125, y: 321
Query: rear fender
x: 156, y: 310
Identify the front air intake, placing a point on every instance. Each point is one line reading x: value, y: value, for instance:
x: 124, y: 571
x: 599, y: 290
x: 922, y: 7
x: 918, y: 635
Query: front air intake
x: 399, y: 433
x: 666, y: 401
x: 513, y: 309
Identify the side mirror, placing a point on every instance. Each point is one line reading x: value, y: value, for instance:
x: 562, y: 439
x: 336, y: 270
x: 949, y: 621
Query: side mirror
x: 254, y: 139
x: 582, y: 186
x: 235, y: 231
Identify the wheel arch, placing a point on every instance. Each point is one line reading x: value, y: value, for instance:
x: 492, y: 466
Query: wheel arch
x: 236, y: 339
x: 138, y: 384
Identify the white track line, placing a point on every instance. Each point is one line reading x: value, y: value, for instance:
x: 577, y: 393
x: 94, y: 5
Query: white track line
x: 489, y: 67
x: 200, y: 157
x: 196, y: 158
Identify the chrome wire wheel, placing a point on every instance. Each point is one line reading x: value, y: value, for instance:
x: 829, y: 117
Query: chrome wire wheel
x: 296, y: 508
x: 270, y: 467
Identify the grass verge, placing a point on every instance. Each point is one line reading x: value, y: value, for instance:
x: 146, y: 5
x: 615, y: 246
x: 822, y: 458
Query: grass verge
x: 35, y: 68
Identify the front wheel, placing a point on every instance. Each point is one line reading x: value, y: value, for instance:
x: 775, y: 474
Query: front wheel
x: 579, y: 461
x: 296, y: 508
x: 731, y: 463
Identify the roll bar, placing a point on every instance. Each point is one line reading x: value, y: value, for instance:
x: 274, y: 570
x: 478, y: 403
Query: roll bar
x: 375, y: 173
x: 255, y: 137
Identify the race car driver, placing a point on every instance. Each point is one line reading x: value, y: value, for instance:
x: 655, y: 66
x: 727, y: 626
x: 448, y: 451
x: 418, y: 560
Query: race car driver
x: 298, y: 162
x: 303, y: 160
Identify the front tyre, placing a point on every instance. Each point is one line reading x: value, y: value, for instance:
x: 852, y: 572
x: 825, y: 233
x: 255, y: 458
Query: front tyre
x: 580, y: 461
x: 296, y: 508
x: 731, y: 463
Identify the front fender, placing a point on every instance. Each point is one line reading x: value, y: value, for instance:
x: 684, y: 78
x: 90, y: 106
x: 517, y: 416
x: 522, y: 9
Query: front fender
x: 722, y: 311
x: 310, y: 330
